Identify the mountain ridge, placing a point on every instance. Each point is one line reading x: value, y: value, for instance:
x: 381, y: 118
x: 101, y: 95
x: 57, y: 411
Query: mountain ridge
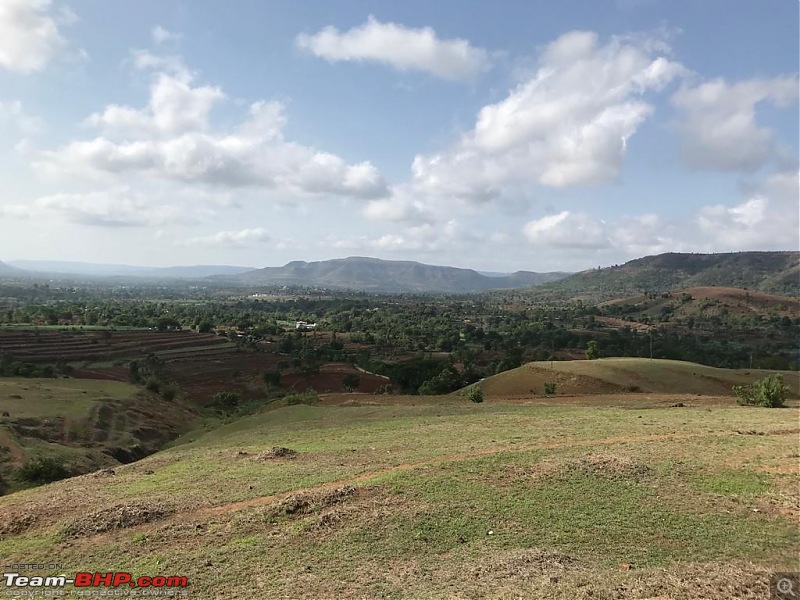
x: 766, y: 271
x: 373, y: 274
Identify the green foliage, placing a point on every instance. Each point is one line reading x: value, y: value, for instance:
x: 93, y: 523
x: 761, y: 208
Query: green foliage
x: 169, y: 393
x: 43, y: 469
x: 445, y: 382
x: 227, y: 400
x: 592, y: 350
x: 307, y: 397
x: 550, y: 388
x: 153, y: 385
x: 475, y: 394
x: 205, y: 327
x: 272, y: 378
x: 351, y: 381
x: 769, y: 392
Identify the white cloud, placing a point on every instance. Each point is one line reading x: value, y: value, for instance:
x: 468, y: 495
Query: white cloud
x: 29, y: 36
x: 172, y: 139
x: 237, y: 239
x: 567, y: 125
x: 161, y: 35
x: 400, y: 47
x: 116, y: 208
x: 718, y: 122
x: 567, y: 230
x: 768, y: 218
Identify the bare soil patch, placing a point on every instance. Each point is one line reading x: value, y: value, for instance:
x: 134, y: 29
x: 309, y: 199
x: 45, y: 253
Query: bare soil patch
x: 120, y: 516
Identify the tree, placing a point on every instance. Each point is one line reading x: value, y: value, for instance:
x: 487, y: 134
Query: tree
x: 205, y: 327
x: 351, y: 381
x: 592, y: 350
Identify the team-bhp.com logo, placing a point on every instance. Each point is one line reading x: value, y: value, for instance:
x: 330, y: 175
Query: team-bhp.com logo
x: 95, y: 580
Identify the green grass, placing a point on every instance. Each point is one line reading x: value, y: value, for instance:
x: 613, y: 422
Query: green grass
x: 42, y: 398
x: 678, y: 493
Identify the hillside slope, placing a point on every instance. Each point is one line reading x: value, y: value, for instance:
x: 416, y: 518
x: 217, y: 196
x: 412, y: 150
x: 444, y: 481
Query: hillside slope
x: 8, y: 269
x: 611, y: 375
x: 775, y: 272
x: 389, y: 276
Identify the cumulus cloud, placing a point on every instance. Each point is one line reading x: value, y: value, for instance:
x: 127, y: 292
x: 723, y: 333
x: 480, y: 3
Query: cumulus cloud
x: 116, y: 208
x: 237, y: 239
x: 767, y: 218
x: 566, y: 125
x: 172, y: 139
x: 29, y: 36
x: 718, y: 122
x: 403, y: 48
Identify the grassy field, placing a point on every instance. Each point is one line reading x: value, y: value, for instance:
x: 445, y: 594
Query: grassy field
x: 442, y: 500
x: 609, y: 375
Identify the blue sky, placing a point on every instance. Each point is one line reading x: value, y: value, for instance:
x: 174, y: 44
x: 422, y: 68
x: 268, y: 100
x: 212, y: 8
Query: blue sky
x: 497, y: 136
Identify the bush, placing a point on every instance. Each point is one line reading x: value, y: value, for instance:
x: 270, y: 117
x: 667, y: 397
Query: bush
x: 351, y: 381
x: 43, y: 469
x: 475, y: 394
x: 272, y: 378
x: 769, y: 392
x: 307, y: 397
x: 153, y: 385
x: 550, y: 388
x: 227, y: 400
x: 169, y: 393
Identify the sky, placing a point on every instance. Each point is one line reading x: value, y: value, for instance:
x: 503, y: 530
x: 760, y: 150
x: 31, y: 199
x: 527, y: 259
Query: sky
x: 499, y: 136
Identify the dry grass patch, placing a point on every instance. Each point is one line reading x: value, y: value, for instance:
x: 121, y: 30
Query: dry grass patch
x: 605, y: 466
x: 120, y: 516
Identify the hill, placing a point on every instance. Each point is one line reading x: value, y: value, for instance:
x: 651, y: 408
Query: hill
x: 443, y: 500
x: 8, y: 269
x: 774, y: 272
x: 613, y: 375
x: 373, y: 274
x: 114, y: 270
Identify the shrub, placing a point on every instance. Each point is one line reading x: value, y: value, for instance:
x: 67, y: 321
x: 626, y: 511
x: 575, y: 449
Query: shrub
x: 153, y: 385
x: 475, y: 394
x: 550, y: 388
x: 227, y: 400
x: 169, y: 393
x: 307, y: 397
x: 351, y: 381
x: 43, y: 469
x: 272, y: 378
x: 770, y: 392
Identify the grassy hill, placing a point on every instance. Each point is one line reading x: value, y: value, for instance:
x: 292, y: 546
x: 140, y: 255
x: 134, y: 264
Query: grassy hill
x: 774, y: 272
x: 85, y: 424
x: 373, y: 274
x: 458, y: 500
x: 613, y: 375
x: 8, y: 269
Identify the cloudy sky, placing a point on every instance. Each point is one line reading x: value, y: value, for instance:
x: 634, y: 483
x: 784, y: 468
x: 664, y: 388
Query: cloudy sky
x: 493, y: 135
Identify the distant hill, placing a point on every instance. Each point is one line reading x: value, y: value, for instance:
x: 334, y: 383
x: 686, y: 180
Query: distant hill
x: 773, y: 272
x: 373, y: 274
x: 7, y: 269
x: 112, y: 270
